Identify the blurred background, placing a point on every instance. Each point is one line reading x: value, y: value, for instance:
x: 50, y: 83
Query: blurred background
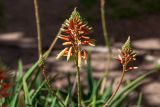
x: 138, y: 18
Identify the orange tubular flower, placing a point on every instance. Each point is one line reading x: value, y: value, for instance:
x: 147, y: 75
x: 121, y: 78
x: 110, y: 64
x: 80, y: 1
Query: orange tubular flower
x: 127, y: 55
x: 75, y: 31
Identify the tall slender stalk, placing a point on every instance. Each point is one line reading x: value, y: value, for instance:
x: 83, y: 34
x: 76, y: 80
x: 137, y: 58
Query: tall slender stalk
x: 78, y: 86
x: 41, y: 59
x: 104, y: 26
x: 125, y: 57
x: 107, y: 44
x: 76, y: 31
x: 118, y: 86
x: 76, y: 59
x: 39, y: 36
x: 49, y: 85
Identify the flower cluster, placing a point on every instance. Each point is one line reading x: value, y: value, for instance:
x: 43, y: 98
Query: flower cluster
x: 127, y: 54
x: 4, y: 86
x: 75, y: 33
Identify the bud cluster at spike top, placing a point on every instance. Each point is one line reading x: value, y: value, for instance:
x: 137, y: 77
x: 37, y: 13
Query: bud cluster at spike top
x: 75, y: 33
x: 127, y: 54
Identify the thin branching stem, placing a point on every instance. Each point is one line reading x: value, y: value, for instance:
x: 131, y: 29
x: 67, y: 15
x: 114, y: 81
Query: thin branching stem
x: 117, y: 88
x: 45, y: 56
x: 41, y: 61
x: 39, y: 36
x: 49, y: 85
x: 52, y: 45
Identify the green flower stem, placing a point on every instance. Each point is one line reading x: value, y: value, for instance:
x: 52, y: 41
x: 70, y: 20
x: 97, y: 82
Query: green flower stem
x: 52, y: 91
x: 39, y: 36
x: 78, y: 86
x: 107, y: 43
x: 118, y: 86
x: 45, y: 56
x: 78, y: 77
x: 104, y: 26
x: 41, y: 57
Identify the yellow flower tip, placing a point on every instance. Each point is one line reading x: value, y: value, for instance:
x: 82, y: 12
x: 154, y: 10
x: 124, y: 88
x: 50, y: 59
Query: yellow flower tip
x: 91, y: 44
x: 69, y: 53
x: 62, y: 29
x: 75, y: 9
x: 119, y: 51
x: 129, y: 38
x: 85, y: 55
x: 61, y: 53
x: 67, y: 43
x: 85, y: 62
x: 132, y: 68
x: 135, y: 67
x: 79, y: 58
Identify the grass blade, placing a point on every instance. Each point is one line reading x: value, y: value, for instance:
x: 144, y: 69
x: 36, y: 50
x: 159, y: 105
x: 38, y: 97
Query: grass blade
x: 53, y: 102
x: 132, y: 84
x: 30, y: 71
x: 139, y: 100
x: 37, y: 91
x: 67, y: 100
x: 26, y: 93
x: 89, y: 75
x: 119, y: 101
x: 107, y: 92
x: 17, y: 88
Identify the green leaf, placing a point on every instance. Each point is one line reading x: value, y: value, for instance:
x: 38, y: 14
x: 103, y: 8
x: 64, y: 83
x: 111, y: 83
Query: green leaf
x: 17, y: 86
x: 89, y: 75
x: 53, y: 102
x: 13, y: 103
x: 19, y: 81
x: 47, y: 101
x: 20, y: 72
x: 30, y: 71
x: 94, y: 101
x: 36, y: 80
x: 119, y: 101
x: 2, y: 100
x: 26, y: 93
x: 139, y: 100
x: 96, y: 87
x: 134, y: 83
x: 59, y: 94
x: 67, y: 100
x: 38, y: 90
x: 107, y: 92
